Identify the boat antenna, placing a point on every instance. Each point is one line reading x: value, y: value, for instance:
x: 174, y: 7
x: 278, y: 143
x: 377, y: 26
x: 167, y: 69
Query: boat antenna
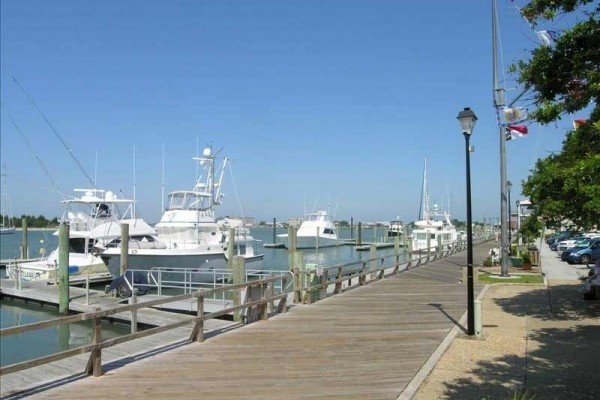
x: 134, y: 199
x: 422, y: 190
x: 69, y: 150
x: 162, y: 197
x: 36, y: 155
x: 96, y: 170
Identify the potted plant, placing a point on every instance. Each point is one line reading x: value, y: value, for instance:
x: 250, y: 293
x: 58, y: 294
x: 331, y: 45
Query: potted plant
x: 526, y: 261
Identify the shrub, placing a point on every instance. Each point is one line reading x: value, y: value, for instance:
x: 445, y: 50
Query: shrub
x: 526, y: 258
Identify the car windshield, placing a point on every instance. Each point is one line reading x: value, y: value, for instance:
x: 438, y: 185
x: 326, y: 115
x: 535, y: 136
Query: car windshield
x: 582, y: 243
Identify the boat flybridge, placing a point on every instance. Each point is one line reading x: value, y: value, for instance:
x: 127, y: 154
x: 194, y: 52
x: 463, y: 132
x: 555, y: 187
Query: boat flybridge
x: 188, y: 236
x: 94, y: 220
x: 317, y: 230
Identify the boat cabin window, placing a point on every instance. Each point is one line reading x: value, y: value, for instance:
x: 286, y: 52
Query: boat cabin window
x: 433, y: 236
x: 102, y: 210
x: 421, y: 236
x: 189, y: 201
x: 77, y: 245
x: 328, y: 231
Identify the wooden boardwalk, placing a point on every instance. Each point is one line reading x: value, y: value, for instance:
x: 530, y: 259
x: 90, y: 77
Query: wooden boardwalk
x: 366, y: 343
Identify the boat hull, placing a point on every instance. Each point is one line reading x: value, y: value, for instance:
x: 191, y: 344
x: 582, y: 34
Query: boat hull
x: 6, y: 231
x: 310, y: 242
x: 46, y: 270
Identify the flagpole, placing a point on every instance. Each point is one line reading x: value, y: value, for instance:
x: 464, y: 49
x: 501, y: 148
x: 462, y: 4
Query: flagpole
x: 500, y: 102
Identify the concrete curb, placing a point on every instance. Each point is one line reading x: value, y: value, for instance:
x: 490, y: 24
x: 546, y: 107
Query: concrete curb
x: 414, y: 384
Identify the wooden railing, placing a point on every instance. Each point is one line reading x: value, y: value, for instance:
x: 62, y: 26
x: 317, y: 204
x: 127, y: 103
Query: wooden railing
x: 359, y: 273
x: 268, y: 296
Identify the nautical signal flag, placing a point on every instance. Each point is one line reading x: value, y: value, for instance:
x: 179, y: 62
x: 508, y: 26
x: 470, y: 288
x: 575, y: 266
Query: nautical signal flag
x: 548, y: 38
x: 512, y: 115
x: 514, y: 131
x: 578, y: 122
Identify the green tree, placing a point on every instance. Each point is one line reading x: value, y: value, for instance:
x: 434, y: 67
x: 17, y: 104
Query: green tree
x: 565, y: 78
x: 531, y: 229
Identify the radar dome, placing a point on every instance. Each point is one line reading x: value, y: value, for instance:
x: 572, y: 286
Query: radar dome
x: 207, y: 152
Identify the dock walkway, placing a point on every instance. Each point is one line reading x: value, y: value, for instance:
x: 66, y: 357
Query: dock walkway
x: 368, y: 342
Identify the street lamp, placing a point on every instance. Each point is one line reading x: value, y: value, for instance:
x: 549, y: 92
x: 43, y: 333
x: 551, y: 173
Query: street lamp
x: 467, y: 119
x: 508, y: 187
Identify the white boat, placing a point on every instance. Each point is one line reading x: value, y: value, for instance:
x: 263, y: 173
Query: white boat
x: 6, y: 225
x: 433, y: 226
x: 94, y: 220
x: 397, y: 229
x: 188, y: 236
x: 316, y: 231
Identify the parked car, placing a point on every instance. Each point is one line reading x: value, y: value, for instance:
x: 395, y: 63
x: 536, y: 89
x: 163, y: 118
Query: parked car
x: 580, y: 245
x: 553, y: 243
x: 567, y: 244
x: 586, y: 255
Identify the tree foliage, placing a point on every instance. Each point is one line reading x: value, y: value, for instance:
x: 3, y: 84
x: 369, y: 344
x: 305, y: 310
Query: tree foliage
x: 565, y: 78
x: 530, y: 229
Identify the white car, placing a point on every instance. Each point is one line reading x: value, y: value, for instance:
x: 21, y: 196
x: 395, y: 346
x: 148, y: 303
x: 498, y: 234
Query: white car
x: 567, y: 244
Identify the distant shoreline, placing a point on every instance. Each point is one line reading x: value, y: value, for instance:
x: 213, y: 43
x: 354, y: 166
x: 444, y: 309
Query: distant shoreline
x: 37, y: 229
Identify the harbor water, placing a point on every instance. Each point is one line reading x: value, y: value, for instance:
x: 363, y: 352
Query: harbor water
x: 34, y: 344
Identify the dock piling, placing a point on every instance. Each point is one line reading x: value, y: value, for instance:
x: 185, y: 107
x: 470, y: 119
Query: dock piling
x: 24, y: 240
x: 359, y: 234
x: 124, y: 265
x: 133, y: 300
x: 63, y: 269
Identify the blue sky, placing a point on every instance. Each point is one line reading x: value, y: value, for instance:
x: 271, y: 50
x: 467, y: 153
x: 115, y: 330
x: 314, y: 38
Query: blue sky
x: 339, y: 101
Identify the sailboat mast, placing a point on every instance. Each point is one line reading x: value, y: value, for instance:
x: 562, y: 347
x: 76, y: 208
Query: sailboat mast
x: 498, y: 103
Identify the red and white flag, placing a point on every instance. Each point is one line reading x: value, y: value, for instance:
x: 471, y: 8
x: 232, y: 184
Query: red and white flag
x: 514, y: 131
x: 578, y: 122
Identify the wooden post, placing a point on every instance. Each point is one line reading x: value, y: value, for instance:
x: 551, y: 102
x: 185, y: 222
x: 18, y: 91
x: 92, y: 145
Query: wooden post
x: 299, y: 278
x: 274, y: 230
x: 374, y: 233
x: 397, y: 253
x: 373, y: 256
x: 198, y: 332
x: 24, y: 240
x: 359, y: 234
x: 239, y: 276
x: 428, y: 245
x: 63, y: 269
x: 133, y: 300
x: 291, y: 248
x: 230, y: 250
x: 351, y: 227
x: 440, y: 250
x: 124, y: 249
x: 386, y: 232
x: 94, y: 364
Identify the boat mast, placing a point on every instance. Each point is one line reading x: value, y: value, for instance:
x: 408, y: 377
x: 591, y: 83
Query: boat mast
x: 499, y: 102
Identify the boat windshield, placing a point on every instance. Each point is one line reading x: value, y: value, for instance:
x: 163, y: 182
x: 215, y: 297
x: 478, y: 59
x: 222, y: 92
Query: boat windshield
x: 189, y: 201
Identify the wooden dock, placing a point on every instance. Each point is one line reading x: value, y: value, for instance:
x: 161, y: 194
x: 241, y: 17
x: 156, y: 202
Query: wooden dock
x: 368, y: 342
x: 378, y: 245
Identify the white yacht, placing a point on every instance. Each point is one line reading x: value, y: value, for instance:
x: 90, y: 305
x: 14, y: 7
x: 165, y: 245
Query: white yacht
x: 188, y: 236
x: 432, y: 225
x: 316, y: 231
x: 396, y: 229
x: 94, y: 219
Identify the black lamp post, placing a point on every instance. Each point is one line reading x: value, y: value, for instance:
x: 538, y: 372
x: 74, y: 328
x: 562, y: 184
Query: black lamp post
x: 508, y: 187
x: 467, y: 119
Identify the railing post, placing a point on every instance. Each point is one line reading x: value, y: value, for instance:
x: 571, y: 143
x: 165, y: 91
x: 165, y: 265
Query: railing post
x: 270, y: 293
x: 282, y: 307
x: 24, y: 240
x: 397, y: 254
x: 324, y: 284
x: 264, y: 314
x: 373, y: 256
x: 239, y: 276
x: 198, y: 332
x: 87, y: 290
x: 440, y: 250
x: 94, y: 364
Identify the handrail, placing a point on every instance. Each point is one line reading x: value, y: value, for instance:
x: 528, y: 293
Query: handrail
x: 94, y: 364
